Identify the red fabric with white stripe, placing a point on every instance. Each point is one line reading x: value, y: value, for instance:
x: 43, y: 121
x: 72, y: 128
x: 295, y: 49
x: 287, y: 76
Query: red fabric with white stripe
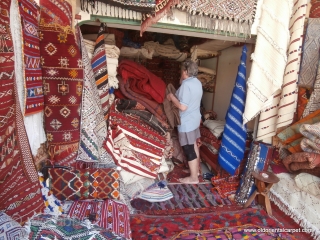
x: 111, y: 215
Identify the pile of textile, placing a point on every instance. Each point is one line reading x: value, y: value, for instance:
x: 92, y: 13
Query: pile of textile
x: 207, y: 78
x: 112, y: 54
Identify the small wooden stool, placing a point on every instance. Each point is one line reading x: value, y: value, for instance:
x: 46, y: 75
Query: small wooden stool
x: 264, y: 181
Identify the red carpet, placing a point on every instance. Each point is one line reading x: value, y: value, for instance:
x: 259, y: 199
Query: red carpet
x: 166, y: 227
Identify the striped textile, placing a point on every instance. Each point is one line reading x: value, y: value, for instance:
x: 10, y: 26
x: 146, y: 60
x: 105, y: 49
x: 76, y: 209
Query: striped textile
x: 30, y: 11
x: 99, y: 67
x: 233, y: 142
x: 310, y: 56
x: 281, y: 111
x: 314, y: 100
x: 269, y: 57
x: 108, y: 214
x: 93, y: 129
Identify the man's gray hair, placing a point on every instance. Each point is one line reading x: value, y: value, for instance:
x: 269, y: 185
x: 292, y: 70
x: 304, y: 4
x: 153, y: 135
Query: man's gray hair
x: 191, y: 67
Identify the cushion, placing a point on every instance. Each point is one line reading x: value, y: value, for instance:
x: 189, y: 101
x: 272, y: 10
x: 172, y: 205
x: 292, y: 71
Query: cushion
x: 73, y: 184
x: 10, y: 229
x: 308, y: 183
x: 215, y: 126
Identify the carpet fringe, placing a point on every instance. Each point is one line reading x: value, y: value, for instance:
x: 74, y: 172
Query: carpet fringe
x: 298, y: 218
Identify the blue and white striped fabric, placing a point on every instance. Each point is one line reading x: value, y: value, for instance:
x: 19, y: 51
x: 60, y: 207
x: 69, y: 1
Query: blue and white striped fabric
x: 233, y: 142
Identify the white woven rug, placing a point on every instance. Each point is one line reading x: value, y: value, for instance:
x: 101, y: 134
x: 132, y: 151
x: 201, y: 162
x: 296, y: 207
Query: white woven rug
x: 269, y: 58
x: 301, y: 206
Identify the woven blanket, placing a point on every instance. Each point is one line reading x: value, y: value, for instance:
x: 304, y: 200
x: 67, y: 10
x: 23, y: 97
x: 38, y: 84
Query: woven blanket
x: 310, y: 57
x: 149, y: 119
x: 45, y: 226
x: 33, y: 122
x: 29, y: 11
x: 269, y: 58
x: 235, y: 16
x: 311, y: 140
x: 304, y: 95
x: 135, y: 146
x: 108, y: 214
x: 291, y: 136
x: 143, y: 81
x: 20, y: 195
x: 152, y: 106
x: 301, y: 161
x: 62, y: 71
x: 10, y: 229
x: 231, y: 152
x: 281, y: 112
x: 167, y: 49
x: 93, y: 126
x: 296, y: 203
x: 313, y: 103
x: 143, y: 6
x: 162, y: 7
x: 100, y: 71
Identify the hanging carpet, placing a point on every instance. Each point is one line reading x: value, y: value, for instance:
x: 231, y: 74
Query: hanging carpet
x: 269, y: 57
x: 235, y: 17
x: 34, y: 102
x: 313, y: 103
x: 20, y: 195
x: 315, y: 9
x: 93, y: 129
x: 62, y: 71
x: 231, y: 152
x: 283, y: 108
x: 100, y: 71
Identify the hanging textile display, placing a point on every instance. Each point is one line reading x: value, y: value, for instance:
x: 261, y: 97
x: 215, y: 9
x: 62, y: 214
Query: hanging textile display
x: 20, y: 195
x: 28, y: 73
x: 62, y: 71
x: 310, y: 54
x: 235, y: 17
x: 29, y: 11
x: 283, y: 108
x: 314, y: 101
x: 269, y: 58
x: 93, y: 128
x: 231, y: 152
x: 100, y: 70
x: 162, y: 7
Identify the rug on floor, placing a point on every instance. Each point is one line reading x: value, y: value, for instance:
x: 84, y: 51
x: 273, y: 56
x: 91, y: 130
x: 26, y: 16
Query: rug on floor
x: 165, y: 227
x: 247, y: 231
x: 181, y: 172
x: 187, y: 198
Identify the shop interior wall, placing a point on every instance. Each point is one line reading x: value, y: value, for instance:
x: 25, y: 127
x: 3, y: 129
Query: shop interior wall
x: 226, y: 76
